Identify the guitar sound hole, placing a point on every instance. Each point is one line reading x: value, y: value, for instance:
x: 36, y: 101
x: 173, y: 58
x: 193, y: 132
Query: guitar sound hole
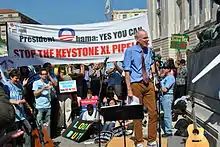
x: 196, y: 140
x: 195, y: 131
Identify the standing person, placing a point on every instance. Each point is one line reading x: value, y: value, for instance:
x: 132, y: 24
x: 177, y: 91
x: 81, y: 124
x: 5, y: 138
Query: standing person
x: 167, y: 85
x: 77, y: 72
x: 137, y: 65
x: 114, y: 71
x: 42, y: 91
x: 95, y: 74
x: 171, y: 63
x: 65, y: 102
x: 54, y: 102
x: 14, y: 89
x: 51, y: 76
x: 181, y: 80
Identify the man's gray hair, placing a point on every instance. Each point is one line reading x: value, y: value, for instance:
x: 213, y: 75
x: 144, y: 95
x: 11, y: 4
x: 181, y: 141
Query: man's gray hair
x: 136, y: 36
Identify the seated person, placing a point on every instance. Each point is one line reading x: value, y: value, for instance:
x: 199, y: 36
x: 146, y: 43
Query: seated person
x: 89, y: 100
x: 110, y: 96
x: 91, y: 96
x: 108, y: 125
x: 92, y: 115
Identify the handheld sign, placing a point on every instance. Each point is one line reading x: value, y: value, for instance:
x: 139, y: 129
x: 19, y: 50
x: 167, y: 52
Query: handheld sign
x: 85, y: 102
x: 67, y: 86
x: 79, y: 130
x: 117, y: 131
x: 105, y: 136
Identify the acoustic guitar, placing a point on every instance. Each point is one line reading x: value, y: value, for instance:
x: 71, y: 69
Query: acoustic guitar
x: 41, y: 139
x: 196, y: 136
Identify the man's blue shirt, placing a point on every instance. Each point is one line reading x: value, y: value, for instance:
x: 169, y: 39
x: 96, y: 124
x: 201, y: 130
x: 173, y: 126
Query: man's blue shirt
x: 133, y: 62
x: 43, y: 100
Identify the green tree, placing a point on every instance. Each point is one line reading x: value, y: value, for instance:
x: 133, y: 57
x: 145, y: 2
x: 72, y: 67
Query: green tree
x: 2, y: 41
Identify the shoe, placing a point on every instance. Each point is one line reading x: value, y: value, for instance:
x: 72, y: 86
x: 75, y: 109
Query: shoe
x: 61, y: 132
x: 167, y: 135
x: 129, y: 132
x: 140, y: 145
x: 152, y: 144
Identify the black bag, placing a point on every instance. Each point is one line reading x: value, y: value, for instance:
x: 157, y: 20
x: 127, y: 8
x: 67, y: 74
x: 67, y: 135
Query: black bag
x: 7, y: 112
x: 181, y: 127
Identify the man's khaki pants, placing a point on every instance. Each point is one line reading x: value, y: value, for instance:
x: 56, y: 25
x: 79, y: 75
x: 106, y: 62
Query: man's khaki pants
x: 146, y: 94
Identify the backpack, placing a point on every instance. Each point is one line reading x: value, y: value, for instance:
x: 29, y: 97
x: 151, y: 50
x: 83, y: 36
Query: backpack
x: 181, y: 127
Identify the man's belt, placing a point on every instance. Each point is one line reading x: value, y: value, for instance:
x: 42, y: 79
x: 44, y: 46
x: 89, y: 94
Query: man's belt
x: 144, y: 83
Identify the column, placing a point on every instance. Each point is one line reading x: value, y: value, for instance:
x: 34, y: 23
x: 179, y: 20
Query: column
x: 152, y: 18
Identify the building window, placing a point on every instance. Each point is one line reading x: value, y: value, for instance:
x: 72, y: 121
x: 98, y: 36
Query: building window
x: 1, y: 16
x: 136, y: 14
x: 211, y: 6
x: 190, y: 7
x: 159, y: 25
x: 124, y: 16
x: 158, y: 4
x: 3, y: 31
x: 200, y: 6
x: 179, y: 14
x: 200, y: 10
x: 9, y: 15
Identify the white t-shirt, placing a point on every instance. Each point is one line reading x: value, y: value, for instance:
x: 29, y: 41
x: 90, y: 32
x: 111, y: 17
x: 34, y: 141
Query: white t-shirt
x: 93, y: 117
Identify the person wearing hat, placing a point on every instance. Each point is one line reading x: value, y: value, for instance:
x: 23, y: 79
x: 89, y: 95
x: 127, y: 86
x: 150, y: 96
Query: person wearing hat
x: 167, y: 87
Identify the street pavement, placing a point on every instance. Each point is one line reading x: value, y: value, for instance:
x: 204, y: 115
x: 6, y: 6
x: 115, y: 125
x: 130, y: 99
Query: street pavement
x: 174, y: 141
x: 63, y: 142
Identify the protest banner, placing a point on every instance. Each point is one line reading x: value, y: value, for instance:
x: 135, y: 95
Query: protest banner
x: 73, y: 44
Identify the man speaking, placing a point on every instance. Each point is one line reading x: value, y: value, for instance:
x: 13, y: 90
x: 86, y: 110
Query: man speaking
x: 137, y: 65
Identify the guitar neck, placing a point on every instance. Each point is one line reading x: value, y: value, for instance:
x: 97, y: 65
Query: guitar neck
x: 193, y: 113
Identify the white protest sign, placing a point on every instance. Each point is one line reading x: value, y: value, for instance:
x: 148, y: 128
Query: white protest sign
x: 67, y: 86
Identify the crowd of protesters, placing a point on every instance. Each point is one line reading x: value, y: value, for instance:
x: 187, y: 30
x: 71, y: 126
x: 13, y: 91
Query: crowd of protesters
x: 38, y: 86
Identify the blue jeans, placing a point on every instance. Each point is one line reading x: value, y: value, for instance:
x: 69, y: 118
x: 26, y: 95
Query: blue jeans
x: 166, y: 104
x: 43, y: 117
x: 108, y: 127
